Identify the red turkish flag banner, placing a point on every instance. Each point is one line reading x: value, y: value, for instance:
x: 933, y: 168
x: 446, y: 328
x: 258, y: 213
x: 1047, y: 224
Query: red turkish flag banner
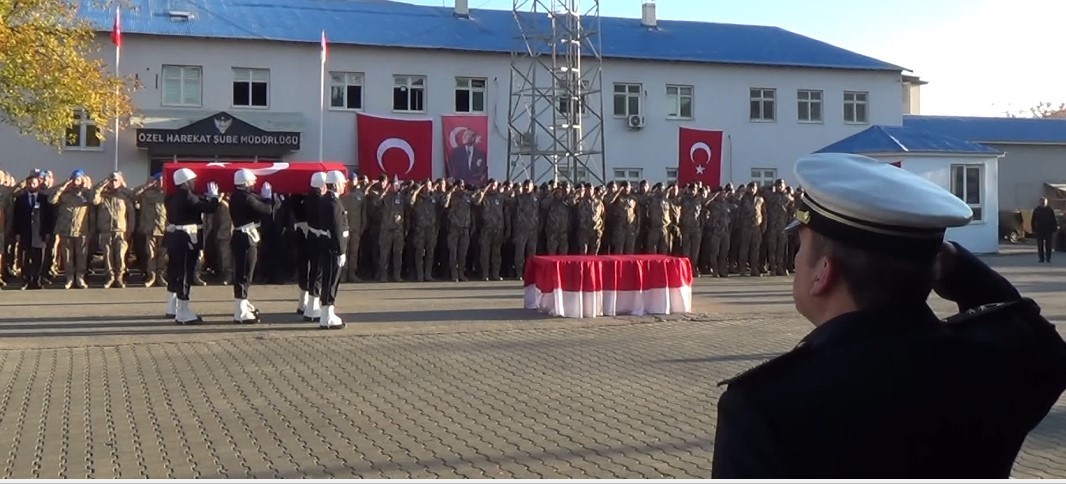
x: 466, y: 148
x: 116, y: 29
x: 398, y: 148
x: 284, y: 178
x: 699, y: 156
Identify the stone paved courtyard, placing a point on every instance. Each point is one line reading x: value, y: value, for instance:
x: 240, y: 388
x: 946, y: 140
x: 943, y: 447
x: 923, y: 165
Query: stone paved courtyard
x: 429, y: 380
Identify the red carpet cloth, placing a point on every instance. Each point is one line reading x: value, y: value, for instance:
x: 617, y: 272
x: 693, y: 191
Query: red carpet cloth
x: 578, y: 286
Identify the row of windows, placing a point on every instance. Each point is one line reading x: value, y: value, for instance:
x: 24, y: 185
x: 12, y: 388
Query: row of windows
x: 183, y: 86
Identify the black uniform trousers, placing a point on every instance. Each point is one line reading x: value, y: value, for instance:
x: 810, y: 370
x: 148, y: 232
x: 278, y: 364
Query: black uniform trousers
x: 308, y: 272
x: 331, y: 277
x: 1044, y: 245
x: 32, y: 265
x: 182, y: 256
x: 245, y: 254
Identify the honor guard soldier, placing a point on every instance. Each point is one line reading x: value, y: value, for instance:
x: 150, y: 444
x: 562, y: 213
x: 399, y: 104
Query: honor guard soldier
x: 315, y: 234
x: 333, y: 246
x: 184, y: 241
x: 883, y: 388
x: 247, y: 210
x: 304, y: 207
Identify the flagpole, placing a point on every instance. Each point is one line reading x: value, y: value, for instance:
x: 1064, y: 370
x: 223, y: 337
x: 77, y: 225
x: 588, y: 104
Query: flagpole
x: 322, y: 98
x: 118, y: 58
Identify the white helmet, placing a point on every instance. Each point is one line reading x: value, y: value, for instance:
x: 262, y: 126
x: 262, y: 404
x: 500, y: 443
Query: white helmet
x: 335, y: 177
x: 243, y: 177
x: 318, y: 180
x: 183, y: 176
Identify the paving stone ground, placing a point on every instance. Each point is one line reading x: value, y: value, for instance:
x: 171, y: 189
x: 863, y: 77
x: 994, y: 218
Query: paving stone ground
x: 429, y: 380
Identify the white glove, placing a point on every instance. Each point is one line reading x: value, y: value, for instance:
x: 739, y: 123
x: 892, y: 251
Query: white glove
x: 267, y: 191
x: 341, y: 260
x: 212, y: 190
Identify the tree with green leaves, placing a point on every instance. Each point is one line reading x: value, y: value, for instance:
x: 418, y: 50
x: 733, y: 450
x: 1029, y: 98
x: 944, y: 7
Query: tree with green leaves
x: 51, y: 67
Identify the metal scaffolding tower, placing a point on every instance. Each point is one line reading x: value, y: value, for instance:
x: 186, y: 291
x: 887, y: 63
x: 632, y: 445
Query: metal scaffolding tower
x: 555, y: 116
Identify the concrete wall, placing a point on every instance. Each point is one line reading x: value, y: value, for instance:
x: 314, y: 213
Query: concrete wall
x: 720, y: 102
x: 1025, y: 170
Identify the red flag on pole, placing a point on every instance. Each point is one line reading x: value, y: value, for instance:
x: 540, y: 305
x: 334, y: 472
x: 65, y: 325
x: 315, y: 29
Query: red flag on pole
x: 699, y: 156
x: 116, y: 29
x: 325, y: 47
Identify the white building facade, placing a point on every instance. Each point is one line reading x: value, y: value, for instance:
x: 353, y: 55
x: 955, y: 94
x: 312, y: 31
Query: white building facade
x: 770, y: 116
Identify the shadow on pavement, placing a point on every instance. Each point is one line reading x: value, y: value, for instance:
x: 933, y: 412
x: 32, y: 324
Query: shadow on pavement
x: 725, y: 358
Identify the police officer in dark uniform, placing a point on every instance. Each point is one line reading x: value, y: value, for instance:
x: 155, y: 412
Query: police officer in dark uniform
x: 308, y: 275
x: 247, y: 212
x: 882, y: 387
x: 184, y: 241
x: 333, y: 244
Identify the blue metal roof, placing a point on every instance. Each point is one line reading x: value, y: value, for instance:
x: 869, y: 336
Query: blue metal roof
x: 993, y: 130
x: 395, y: 24
x: 898, y: 139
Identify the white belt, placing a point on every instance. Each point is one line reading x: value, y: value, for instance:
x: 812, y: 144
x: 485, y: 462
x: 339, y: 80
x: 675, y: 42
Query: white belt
x: 320, y: 233
x: 302, y: 227
x: 251, y: 230
x: 190, y: 229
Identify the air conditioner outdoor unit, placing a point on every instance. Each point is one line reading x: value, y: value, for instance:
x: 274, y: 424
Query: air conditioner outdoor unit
x: 635, y: 121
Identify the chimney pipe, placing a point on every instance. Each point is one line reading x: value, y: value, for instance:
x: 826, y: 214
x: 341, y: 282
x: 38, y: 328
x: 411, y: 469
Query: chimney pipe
x: 647, y: 17
x: 462, y: 8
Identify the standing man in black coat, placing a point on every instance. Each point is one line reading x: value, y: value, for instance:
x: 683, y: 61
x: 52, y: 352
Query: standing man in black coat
x: 185, y: 241
x: 1044, y: 227
x: 247, y: 211
x: 882, y: 388
x: 33, y: 222
x: 333, y: 247
x: 308, y: 274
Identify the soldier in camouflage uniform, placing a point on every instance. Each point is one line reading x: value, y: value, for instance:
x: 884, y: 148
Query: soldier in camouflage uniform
x: 73, y: 201
x: 624, y: 235
x: 589, y: 221
x: 491, y: 230
x: 557, y: 227
x: 152, y: 226
x: 777, y: 217
x: 717, y: 232
x: 354, y: 201
x: 426, y: 212
x: 460, y: 209
x: 752, y: 219
x: 391, y: 235
x: 526, y: 222
x: 113, y: 199
x: 657, y: 222
x: 691, y: 226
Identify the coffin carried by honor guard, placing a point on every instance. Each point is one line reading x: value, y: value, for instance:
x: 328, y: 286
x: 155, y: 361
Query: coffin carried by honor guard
x: 286, y: 178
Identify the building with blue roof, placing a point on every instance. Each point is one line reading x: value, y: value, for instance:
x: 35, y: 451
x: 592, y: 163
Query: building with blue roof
x: 967, y: 169
x: 1034, y: 161
x: 203, y: 64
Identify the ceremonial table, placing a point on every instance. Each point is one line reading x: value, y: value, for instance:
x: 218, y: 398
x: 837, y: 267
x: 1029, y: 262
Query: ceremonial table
x: 580, y: 286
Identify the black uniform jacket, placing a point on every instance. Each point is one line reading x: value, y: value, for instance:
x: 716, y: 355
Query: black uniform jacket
x: 334, y: 218
x: 247, y: 208
x: 894, y: 392
x: 186, y: 208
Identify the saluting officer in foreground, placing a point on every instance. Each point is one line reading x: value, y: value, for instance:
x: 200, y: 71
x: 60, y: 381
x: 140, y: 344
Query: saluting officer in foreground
x: 333, y: 246
x: 882, y: 388
x: 247, y: 212
x: 184, y: 241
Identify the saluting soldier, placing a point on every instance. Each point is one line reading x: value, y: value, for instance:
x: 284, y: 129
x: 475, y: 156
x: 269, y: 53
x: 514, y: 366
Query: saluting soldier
x: 525, y: 224
x: 114, y: 203
x: 589, y: 221
x: 73, y: 201
x: 657, y: 222
x: 460, y: 206
x: 247, y: 213
x: 752, y: 220
x: 355, y: 202
x: 718, y: 231
x: 691, y: 226
x: 426, y: 211
x: 490, y: 230
x: 393, y: 205
x: 185, y: 222
x: 152, y: 225
x: 624, y: 234
x: 557, y: 227
x: 881, y: 387
x: 777, y: 216
x: 334, y: 247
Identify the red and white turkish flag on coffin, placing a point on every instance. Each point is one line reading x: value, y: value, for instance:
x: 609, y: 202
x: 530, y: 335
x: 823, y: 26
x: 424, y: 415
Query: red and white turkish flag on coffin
x: 284, y: 178
x: 699, y: 156
x: 398, y: 148
x: 591, y: 286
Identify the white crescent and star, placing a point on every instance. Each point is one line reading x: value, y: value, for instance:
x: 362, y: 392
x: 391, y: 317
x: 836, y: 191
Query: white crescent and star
x: 276, y: 167
x: 699, y: 146
x: 401, y: 145
x: 451, y: 136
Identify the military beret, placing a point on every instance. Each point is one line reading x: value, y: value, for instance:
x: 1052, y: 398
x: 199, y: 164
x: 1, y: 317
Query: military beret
x: 864, y: 203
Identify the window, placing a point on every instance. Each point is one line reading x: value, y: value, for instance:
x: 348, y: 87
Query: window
x: 250, y: 87
x: 855, y: 107
x: 627, y: 99
x: 182, y: 86
x: 809, y: 106
x: 564, y: 174
x: 763, y: 176
x: 409, y: 93
x: 671, y: 175
x: 565, y: 104
x: 763, y: 104
x: 678, y: 102
x: 632, y: 175
x: 346, y: 90
x: 469, y: 95
x: 82, y: 133
x: 967, y: 182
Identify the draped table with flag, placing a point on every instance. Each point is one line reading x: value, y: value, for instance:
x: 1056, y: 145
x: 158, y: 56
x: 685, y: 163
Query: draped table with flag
x: 578, y: 286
